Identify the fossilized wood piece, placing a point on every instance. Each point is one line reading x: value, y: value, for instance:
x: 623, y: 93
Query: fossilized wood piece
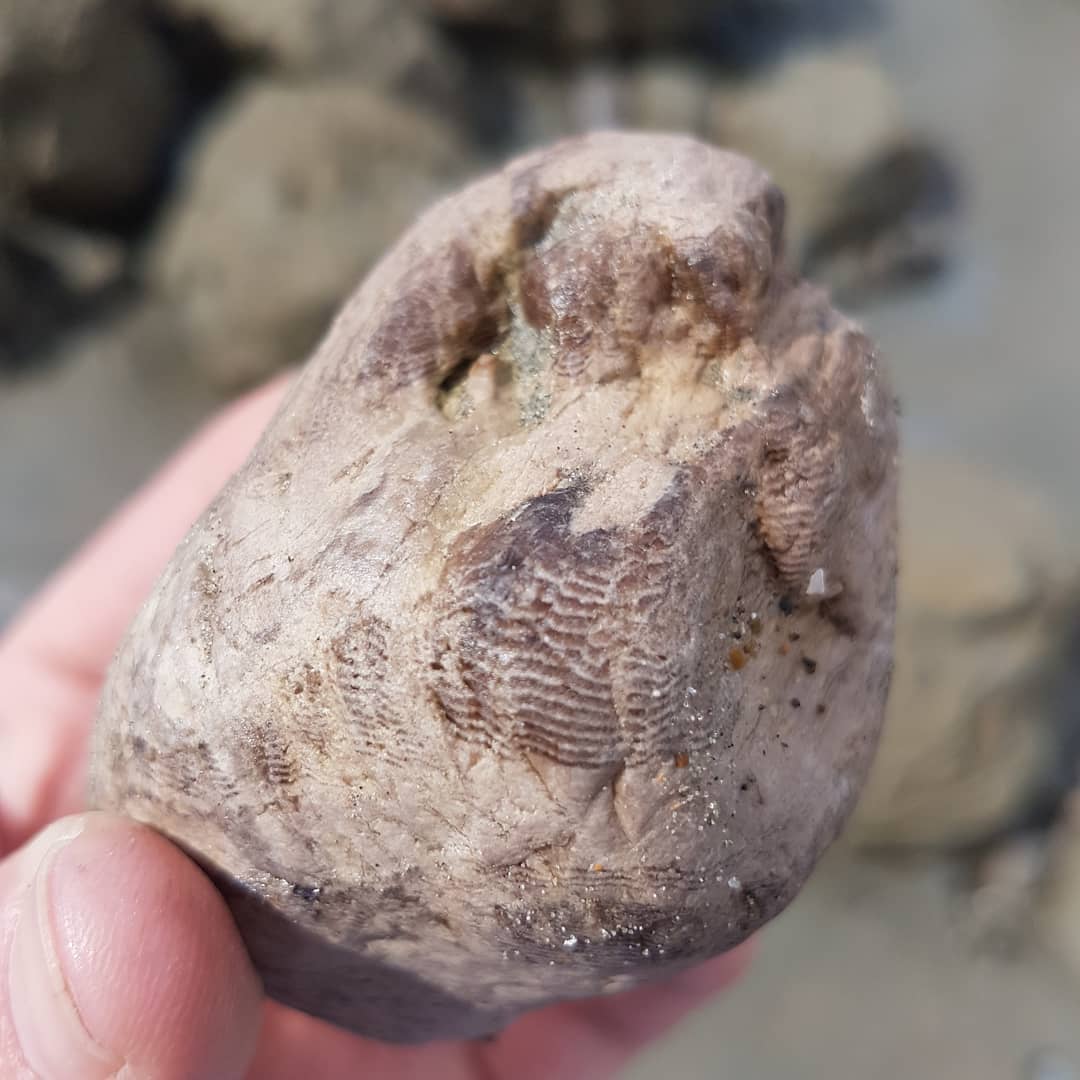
x: 542, y: 645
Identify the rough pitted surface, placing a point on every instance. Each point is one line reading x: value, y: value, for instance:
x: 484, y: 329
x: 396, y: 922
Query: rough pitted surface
x: 542, y: 645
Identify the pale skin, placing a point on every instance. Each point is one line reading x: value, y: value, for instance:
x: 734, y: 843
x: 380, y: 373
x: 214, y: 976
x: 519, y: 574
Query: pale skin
x: 117, y: 956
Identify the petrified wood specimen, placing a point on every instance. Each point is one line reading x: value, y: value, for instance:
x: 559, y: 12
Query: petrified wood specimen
x: 541, y: 646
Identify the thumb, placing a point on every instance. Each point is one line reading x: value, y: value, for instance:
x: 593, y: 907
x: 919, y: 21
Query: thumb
x: 117, y: 956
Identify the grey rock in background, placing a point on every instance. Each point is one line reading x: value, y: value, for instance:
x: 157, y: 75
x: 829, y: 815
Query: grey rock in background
x: 89, y: 98
x: 578, y: 22
x: 667, y: 93
x: 872, y: 205
x: 51, y: 276
x: 733, y: 31
x: 812, y: 121
x: 289, y: 197
x: 382, y: 43
x: 893, y: 222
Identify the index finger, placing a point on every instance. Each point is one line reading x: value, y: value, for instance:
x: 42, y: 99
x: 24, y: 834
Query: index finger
x: 54, y: 656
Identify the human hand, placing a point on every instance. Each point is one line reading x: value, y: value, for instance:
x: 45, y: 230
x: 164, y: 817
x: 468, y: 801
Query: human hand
x: 117, y: 955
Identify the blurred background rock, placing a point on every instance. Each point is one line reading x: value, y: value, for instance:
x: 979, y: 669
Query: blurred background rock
x: 189, y: 188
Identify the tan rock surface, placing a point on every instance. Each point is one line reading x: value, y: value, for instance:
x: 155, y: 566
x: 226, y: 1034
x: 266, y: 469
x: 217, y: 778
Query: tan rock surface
x: 541, y: 646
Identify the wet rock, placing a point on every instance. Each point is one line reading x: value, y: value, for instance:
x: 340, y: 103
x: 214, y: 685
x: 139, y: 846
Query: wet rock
x: 979, y: 710
x: 291, y: 195
x: 89, y: 100
x: 380, y: 42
